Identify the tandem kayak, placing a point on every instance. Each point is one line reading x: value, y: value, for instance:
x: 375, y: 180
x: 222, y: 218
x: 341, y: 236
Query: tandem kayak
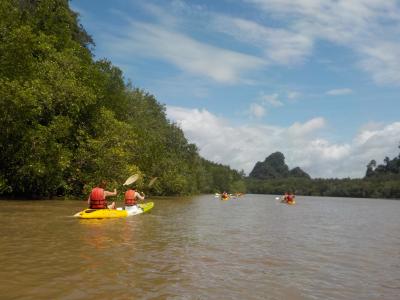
x: 114, y: 213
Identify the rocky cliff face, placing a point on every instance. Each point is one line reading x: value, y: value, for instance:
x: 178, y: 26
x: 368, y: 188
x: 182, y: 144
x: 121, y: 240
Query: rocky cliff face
x: 274, y: 166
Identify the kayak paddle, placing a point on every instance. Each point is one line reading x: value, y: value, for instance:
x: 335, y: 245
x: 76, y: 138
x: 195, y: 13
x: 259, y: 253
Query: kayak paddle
x: 131, y: 179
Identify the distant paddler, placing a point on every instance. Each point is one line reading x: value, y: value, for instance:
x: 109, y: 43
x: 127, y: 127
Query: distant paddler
x: 289, y: 198
x: 224, y: 196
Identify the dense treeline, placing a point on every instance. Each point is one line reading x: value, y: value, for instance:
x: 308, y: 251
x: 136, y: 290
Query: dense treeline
x: 358, y: 188
x: 390, y: 168
x: 380, y: 181
x: 67, y: 121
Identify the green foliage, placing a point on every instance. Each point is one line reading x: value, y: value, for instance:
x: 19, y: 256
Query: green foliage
x: 298, y: 172
x: 69, y: 121
x: 390, y: 167
x: 357, y: 188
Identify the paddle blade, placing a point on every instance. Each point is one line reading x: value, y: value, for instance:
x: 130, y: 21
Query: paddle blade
x: 131, y: 179
x: 152, y: 181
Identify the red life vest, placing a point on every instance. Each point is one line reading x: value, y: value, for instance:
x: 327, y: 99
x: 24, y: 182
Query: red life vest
x: 290, y: 198
x: 130, y: 198
x: 97, y: 199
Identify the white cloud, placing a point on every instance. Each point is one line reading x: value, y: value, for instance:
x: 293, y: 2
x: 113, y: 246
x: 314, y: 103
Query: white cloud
x: 159, y: 13
x: 293, y: 95
x: 329, y: 152
x: 242, y: 146
x: 339, y: 92
x: 279, y: 46
x: 271, y: 100
x: 257, y: 110
x: 299, y: 130
x: 369, y: 27
x: 191, y: 122
x: 186, y: 53
x: 382, y: 60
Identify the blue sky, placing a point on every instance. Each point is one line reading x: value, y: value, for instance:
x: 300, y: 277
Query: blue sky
x: 318, y: 80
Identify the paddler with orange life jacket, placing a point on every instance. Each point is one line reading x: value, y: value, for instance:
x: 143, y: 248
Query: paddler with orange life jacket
x: 97, y: 197
x: 290, y: 198
x: 131, y: 197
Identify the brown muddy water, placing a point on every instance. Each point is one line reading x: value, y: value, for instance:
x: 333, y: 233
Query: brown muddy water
x: 203, y: 248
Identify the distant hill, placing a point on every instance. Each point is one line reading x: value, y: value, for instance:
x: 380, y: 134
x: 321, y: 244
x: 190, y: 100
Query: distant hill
x: 274, y: 167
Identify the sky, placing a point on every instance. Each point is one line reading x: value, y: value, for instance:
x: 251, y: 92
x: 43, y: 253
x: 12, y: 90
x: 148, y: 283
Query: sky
x: 317, y: 80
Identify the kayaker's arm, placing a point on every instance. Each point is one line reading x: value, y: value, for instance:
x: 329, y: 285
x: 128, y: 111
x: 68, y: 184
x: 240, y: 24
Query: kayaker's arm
x: 140, y: 197
x: 107, y: 193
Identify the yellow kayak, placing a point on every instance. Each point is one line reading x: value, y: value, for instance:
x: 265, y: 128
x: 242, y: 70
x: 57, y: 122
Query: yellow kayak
x: 114, y: 213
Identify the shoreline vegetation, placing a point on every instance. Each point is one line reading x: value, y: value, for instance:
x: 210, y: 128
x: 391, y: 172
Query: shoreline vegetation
x: 69, y: 121
x: 274, y: 177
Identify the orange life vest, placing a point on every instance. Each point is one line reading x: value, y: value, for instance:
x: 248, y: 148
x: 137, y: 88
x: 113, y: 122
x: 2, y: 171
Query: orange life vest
x: 290, y: 198
x: 97, y: 198
x: 130, y: 198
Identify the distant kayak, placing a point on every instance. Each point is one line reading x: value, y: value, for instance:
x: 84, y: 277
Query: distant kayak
x: 288, y: 202
x: 114, y: 213
x: 223, y: 196
x: 288, y: 198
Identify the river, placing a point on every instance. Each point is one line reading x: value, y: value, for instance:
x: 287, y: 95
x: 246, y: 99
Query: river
x: 252, y: 247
